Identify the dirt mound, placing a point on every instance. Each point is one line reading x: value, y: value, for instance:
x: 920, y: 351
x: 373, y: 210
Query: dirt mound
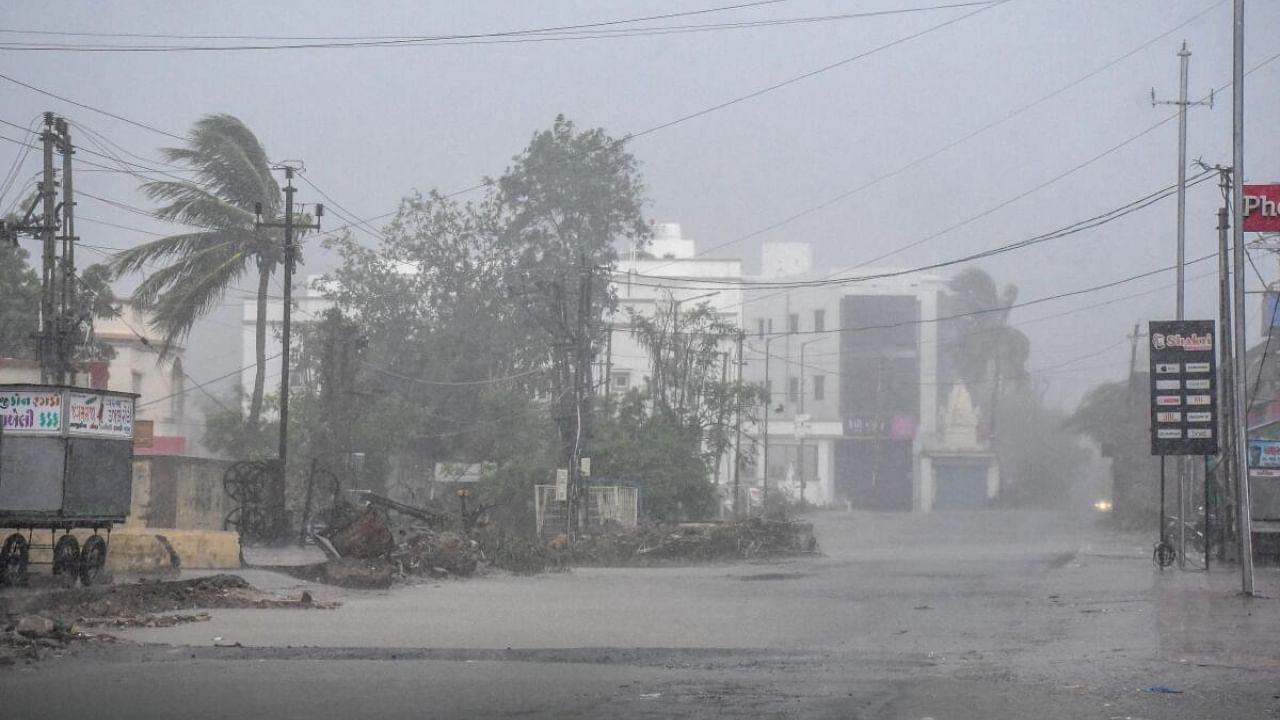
x: 34, y: 622
x: 146, y: 597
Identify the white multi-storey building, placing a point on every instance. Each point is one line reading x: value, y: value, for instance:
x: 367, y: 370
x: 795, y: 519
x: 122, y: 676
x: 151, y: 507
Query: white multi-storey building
x: 309, y: 304
x: 858, y: 394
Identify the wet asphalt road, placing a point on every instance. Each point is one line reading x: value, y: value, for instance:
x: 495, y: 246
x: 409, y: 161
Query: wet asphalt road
x: 972, y: 615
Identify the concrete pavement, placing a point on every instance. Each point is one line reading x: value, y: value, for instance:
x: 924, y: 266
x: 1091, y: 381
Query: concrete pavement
x: 992, y: 614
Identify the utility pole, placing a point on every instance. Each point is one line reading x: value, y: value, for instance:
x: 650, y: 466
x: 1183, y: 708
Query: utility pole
x: 768, y: 402
x: 1184, y: 56
x: 49, y: 276
x: 578, y: 495
x: 289, y: 224
x: 68, y: 320
x: 58, y: 317
x: 1243, y: 509
x: 1133, y: 359
x: 737, y: 445
x: 608, y: 362
x: 1227, y: 462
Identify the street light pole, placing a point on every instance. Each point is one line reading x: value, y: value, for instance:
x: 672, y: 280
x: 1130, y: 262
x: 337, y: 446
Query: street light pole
x: 800, y: 459
x: 768, y: 403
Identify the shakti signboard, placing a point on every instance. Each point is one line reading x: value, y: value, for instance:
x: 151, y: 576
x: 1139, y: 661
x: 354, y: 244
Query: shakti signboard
x: 1184, y: 388
x: 1262, y: 208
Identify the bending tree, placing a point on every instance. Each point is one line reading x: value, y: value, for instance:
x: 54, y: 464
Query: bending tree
x: 196, y: 268
x: 987, y: 350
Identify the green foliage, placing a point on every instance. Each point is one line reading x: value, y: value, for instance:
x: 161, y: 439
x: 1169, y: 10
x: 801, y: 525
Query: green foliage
x: 653, y: 451
x: 19, y: 299
x: 987, y: 352
x: 517, y: 553
x: 571, y: 195
x: 691, y: 381
x: 20, y: 302
x: 511, y: 489
x: 449, y: 361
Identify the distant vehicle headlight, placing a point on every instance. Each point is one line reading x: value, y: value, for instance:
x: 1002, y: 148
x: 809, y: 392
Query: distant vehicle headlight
x: 1102, y: 506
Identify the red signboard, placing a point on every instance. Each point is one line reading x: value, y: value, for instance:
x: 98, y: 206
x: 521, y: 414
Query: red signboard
x: 1262, y: 208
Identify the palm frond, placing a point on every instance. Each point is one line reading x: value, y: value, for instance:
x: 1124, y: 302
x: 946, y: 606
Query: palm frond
x: 193, y: 205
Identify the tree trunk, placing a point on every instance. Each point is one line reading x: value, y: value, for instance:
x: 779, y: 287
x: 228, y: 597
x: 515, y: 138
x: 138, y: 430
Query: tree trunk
x: 260, y: 350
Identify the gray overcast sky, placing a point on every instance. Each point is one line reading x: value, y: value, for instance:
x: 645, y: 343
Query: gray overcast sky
x: 374, y: 123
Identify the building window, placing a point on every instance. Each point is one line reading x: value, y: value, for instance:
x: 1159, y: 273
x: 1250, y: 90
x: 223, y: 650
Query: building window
x: 819, y: 320
x: 621, y: 380
x: 819, y: 386
x: 760, y: 328
x: 793, y: 323
x: 136, y: 385
x: 793, y: 390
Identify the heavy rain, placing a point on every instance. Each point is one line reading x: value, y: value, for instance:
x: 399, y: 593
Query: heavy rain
x: 641, y: 359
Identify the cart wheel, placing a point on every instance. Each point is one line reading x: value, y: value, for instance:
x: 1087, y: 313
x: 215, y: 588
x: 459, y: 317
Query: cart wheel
x: 247, y: 520
x: 66, y: 559
x: 92, y: 558
x: 13, y: 560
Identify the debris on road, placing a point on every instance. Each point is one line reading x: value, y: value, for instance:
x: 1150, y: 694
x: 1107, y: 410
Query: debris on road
x: 390, y: 539
x: 436, y: 554
x: 366, y: 537
x: 136, y: 603
x: 54, y: 618
x: 371, y: 549
x: 700, y: 542
x: 34, y: 626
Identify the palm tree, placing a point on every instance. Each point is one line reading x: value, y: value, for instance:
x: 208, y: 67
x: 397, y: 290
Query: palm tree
x: 231, y: 174
x: 987, y: 348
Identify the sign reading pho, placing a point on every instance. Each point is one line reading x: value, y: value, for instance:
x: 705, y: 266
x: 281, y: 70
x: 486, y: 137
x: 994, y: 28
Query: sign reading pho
x: 1184, y: 388
x: 1262, y: 208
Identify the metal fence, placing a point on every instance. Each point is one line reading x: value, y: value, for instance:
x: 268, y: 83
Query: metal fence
x: 608, y: 504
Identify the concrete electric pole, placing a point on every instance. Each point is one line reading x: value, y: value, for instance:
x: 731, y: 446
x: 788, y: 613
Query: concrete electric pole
x: 1184, y: 56
x: 1241, y: 400
x: 289, y: 224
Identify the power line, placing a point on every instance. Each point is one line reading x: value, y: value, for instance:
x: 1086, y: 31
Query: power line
x: 91, y: 108
x: 15, y: 169
x: 812, y: 73
x: 1053, y: 316
x: 958, y: 141
x: 1266, y: 347
x: 641, y: 133
x: 1025, y: 193
x: 592, y: 31
x: 997, y: 309
x: 558, y: 28
x: 1066, y: 231
x: 184, y: 391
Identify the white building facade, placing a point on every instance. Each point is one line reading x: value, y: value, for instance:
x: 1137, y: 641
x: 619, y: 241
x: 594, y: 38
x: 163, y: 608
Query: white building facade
x: 668, y: 276
x: 857, y: 395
